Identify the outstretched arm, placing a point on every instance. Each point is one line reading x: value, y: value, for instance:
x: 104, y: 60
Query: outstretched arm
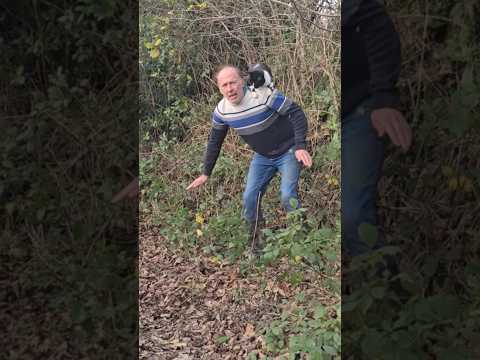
x: 215, y: 141
x: 214, y: 145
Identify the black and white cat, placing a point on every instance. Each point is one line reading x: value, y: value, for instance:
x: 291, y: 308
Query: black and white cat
x: 259, y: 75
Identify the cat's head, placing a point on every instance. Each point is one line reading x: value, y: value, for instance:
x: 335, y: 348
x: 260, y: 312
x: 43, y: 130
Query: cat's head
x: 259, y: 75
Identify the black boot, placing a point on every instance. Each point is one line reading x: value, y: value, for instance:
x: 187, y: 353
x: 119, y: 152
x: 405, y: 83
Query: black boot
x: 257, y: 242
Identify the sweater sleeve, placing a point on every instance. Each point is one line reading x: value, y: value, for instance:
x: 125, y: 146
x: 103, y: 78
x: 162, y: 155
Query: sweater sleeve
x: 285, y: 106
x: 300, y: 126
x: 382, y: 45
x: 214, y: 145
x: 349, y: 10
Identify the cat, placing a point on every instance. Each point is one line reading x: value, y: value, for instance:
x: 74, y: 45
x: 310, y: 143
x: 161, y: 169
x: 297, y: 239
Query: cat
x: 259, y: 75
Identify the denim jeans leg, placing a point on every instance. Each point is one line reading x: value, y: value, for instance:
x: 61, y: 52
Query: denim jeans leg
x: 260, y: 174
x: 289, y: 169
x: 362, y: 160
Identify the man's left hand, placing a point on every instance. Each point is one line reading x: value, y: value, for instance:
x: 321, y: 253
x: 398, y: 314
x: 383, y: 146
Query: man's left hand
x: 304, y: 157
x: 130, y: 191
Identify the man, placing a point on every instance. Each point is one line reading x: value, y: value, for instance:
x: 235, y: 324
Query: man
x: 273, y: 126
x: 370, y: 110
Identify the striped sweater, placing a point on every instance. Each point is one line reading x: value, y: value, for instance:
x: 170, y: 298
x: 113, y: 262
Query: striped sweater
x: 371, y: 56
x: 268, y: 121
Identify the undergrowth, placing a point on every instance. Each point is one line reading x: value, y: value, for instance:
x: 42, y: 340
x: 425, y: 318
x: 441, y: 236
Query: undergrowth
x: 209, y: 222
x: 180, y: 45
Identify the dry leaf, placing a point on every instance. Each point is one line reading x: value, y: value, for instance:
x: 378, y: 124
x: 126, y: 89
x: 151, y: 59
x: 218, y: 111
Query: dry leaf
x: 177, y: 344
x: 249, y: 331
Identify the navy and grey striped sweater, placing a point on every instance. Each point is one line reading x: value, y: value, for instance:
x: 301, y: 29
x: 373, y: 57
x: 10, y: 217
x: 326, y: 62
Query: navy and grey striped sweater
x: 267, y: 120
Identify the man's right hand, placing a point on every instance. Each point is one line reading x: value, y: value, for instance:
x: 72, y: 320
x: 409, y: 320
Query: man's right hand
x: 392, y: 122
x: 198, y: 182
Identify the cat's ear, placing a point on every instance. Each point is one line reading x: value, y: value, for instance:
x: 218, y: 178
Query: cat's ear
x: 267, y: 78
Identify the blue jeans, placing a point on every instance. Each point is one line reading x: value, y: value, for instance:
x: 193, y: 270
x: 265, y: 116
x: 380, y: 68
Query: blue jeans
x: 261, y: 171
x: 362, y: 160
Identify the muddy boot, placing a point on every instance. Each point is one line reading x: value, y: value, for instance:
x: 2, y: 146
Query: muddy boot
x: 257, y: 242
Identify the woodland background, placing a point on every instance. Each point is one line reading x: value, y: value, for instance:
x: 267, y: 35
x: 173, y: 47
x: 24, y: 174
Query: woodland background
x: 194, y: 244
x: 429, y: 197
x: 69, y: 95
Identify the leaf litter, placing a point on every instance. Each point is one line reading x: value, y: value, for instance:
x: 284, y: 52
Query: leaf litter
x: 196, y: 307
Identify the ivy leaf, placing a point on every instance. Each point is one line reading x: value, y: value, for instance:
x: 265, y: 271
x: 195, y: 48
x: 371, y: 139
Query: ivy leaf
x: 368, y: 233
x: 155, y: 53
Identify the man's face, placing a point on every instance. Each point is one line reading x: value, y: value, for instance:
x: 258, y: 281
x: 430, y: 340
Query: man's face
x: 231, y: 85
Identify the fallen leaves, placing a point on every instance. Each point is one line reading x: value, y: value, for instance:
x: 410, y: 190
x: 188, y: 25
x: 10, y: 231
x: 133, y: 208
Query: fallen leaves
x: 197, y: 307
x: 249, y: 331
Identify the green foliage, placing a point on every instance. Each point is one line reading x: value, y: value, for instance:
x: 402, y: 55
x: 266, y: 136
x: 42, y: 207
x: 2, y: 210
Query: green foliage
x: 210, y: 222
x: 456, y: 52
x: 177, y: 95
x: 313, y: 330
x: 379, y: 323
x: 166, y: 79
x: 68, y: 109
x: 300, y: 240
x: 429, y: 308
x: 463, y: 106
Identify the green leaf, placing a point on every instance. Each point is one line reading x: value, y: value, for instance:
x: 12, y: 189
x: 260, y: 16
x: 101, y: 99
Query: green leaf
x: 368, y: 233
x: 473, y: 269
x: 293, y: 203
x: 331, y: 255
x: 445, y: 307
x: 276, y: 331
x: 349, y: 306
x: 295, y: 278
x: 297, y: 250
x: 389, y: 250
x: 378, y: 292
x: 320, y: 311
x: 317, y: 355
x: 300, y: 297
x: 222, y: 339
x: 423, y: 311
x: 456, y: 353
x: 371, y: 343
x: 330, y: 350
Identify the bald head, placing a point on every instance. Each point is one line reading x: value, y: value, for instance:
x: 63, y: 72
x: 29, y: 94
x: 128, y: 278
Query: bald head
x: 220, y: 68
x: 230, y: 83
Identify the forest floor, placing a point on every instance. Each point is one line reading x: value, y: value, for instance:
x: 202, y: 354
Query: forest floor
x: 193, y: 306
